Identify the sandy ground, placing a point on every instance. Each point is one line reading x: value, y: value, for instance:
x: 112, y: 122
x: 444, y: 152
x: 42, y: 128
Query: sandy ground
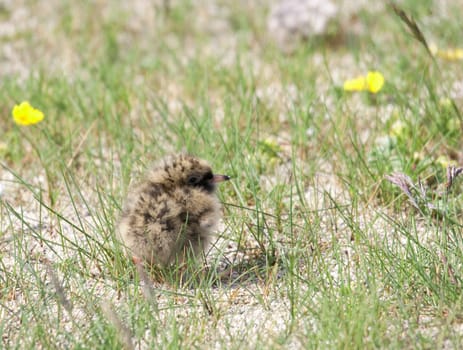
x: 242, y: 314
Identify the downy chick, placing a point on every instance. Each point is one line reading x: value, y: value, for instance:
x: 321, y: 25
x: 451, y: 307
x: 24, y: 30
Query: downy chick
x: 172, y: 212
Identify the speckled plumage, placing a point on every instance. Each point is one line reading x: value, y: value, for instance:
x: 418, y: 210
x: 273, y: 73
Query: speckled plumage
x: 171, y: 212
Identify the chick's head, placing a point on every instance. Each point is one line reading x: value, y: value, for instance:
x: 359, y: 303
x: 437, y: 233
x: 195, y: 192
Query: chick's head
x: 187, y: 171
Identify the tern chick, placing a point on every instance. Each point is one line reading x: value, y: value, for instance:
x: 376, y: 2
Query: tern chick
x: 172, y: 212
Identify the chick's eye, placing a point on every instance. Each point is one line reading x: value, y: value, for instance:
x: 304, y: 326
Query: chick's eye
x: 192, y: 180
x: 208, y: 176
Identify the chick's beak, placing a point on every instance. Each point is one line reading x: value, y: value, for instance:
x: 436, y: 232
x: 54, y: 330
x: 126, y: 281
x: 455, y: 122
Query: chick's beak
x: 220, y: 178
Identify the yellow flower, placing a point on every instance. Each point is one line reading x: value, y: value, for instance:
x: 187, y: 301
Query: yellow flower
x: 356, y: 84
x: 375, y: 81
x: 372, y: 82
x: 25, y: 114
x: 451, y: 54
x: 447, y: 54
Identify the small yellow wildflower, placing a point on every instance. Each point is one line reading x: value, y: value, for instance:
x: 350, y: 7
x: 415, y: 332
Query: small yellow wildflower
x: 445, y: 161
x: 375, y: 81
x: 372, y: 82
x: 453, y: 54
x: 25, y: 114
x: 356, y: 84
